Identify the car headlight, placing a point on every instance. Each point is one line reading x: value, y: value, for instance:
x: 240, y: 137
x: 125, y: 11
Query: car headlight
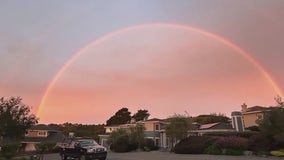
x: 90, y: 150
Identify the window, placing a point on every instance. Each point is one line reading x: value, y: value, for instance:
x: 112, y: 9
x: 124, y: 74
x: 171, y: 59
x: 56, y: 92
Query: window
x: 259, y: 116
x: 41, y: 133
x: 157, y: 127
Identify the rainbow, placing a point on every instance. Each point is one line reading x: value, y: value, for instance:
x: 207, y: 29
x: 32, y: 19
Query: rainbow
x: 177, y: 26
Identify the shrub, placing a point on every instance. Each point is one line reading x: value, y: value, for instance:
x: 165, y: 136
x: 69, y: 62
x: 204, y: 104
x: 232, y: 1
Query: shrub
x: 193, y: 145
x: 237, y: 143
x: 258, y: 143
x: 44, y: 147
x: 213, y: 149
x: 8, y: 151
x: 278, y: 153
x: 122, y: 144
x: 149, y: 145
x: 245, y: 134
x: 253, y: 128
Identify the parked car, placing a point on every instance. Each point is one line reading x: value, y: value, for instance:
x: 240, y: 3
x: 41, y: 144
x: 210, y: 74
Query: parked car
x: 83, y: 149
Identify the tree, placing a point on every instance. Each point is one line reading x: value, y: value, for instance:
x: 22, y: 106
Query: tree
x: 122, y: 116
x: 80, y: 130
x: 279, y: 101
x: 137, y: 135
x: 141, y: 115
x: 125, y: 140
x: 15, y: 118
x: 113, y: 137
x: 272, y: 125
x: 119, y: 141
x: 212, y: 118
x: 178, y: 127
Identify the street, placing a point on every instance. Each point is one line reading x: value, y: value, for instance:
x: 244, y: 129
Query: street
x: 157, y: 155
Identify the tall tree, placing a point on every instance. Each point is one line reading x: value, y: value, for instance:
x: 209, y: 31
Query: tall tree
x: 141, y: 115
x: 15, y: 118
x: 272, y: 124
x: 122, y: 116
x: 178, y: 128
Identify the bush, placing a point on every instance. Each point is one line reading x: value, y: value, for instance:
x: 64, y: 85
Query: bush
x: 237, y: 143
x: 122, y: 144
x: 258, y: 143
x: 214, y: 150
x: 278, y: 153
x: 44, y: 147
x: 8, y: 151
x: 245, y: 134
x: 193, y: 145
x: 149, y: 145
x: 253, y: 128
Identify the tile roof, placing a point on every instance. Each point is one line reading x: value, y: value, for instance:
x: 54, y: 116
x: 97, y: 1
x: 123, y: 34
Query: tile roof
x: 257, y: 108
x: 42, y: 127
x: 52, y: 137
x: 207, y: 126
x: 218, y: 125
x: 154, y: 119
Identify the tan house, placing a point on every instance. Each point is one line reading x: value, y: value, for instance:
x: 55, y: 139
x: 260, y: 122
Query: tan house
x: 252, y: 114
x: 154, y: 129
x: 41, y: 133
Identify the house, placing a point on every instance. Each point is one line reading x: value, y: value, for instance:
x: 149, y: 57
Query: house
x: 154, y: 129
x: 252, y: 114
x: 41, y: 133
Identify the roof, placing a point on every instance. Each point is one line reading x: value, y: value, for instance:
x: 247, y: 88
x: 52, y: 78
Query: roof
x: 112, y: 126
x: 236, y: 113
x: 218, y: 125
x: 154, y: 119
x: 52, y: 137
x: 42, y: 127
x: 257, y: 108
x: 207, y: 126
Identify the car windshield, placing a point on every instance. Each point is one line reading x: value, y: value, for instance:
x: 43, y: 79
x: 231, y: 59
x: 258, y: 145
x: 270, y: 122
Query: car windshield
x: 85, y: 143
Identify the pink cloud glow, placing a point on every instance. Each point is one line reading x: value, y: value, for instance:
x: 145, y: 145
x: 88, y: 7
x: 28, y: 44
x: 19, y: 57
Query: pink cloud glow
x: 164, y: 70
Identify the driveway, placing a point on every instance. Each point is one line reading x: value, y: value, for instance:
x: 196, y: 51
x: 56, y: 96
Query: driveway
x: 157, y: 155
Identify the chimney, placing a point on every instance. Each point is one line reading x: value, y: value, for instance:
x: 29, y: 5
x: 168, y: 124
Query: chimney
x: 244, y: 107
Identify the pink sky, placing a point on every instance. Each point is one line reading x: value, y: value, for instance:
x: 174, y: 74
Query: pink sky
x: 163, y: 69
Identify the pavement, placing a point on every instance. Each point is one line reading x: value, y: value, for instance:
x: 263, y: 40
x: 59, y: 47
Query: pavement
x: 158, y: 155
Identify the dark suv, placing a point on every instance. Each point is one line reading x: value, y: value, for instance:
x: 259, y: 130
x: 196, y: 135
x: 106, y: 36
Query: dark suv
x: 84, y: 149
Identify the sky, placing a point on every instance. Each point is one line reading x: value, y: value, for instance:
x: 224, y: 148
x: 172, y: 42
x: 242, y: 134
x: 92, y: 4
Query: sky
x: 81, y: 61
